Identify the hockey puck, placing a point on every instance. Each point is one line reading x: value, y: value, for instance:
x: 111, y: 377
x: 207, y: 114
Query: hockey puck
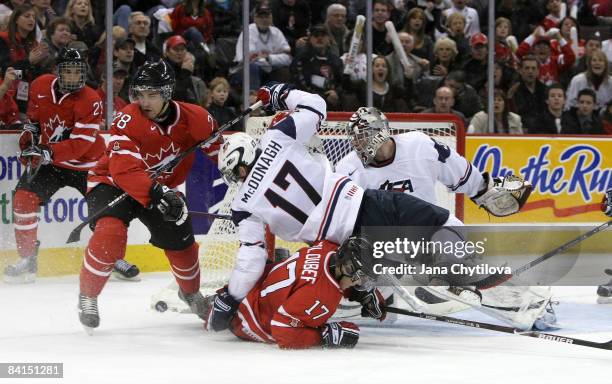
x: 161, y: 306
x: 608, y: 271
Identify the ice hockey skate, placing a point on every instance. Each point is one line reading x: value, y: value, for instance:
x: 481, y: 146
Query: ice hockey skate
x: 604, y: 293
x: 125, y: 271
x: 198, y: 304
x: 88, y: 313
x: 22, y: 271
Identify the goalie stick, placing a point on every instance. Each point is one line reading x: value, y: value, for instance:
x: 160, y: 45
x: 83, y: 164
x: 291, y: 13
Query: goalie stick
x: 504, y: 329
x: 75, y: 235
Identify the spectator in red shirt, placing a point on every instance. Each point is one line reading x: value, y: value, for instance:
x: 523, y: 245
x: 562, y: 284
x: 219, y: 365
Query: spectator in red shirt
x: 9, y: 113
x: 552, y: 65
x: 192, y: 20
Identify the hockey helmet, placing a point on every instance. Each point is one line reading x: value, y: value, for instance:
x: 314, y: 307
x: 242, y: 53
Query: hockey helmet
x: 71, y: 70
x: 368, y: 130
x: 153, y: 76
x: 238, y: 149
x: 354, y: 257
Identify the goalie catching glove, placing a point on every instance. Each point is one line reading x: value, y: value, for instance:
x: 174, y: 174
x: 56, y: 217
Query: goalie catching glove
x: 503, y: 196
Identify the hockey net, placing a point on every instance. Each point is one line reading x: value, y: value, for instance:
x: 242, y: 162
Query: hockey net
x: 219, y: 246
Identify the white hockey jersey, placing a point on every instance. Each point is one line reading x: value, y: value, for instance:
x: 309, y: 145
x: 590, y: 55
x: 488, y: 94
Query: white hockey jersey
x: 299, y: 197
x: 418, y: 164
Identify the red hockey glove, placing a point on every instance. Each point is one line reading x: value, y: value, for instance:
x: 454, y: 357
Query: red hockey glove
x: 36, y: 155
x: 339, y: 335
x: 273, y: 96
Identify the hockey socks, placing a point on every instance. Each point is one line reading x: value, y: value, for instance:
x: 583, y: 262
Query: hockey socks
x: 26, y: 222
x: 107, y: 245
x: 185, y: 267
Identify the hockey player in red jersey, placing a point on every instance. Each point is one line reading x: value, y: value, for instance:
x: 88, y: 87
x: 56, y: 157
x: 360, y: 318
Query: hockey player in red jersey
x: 60, y: 145
x: 292, y: 302
x: 145, y: 135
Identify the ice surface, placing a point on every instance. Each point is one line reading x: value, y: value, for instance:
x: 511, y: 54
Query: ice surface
x: 39, y: 323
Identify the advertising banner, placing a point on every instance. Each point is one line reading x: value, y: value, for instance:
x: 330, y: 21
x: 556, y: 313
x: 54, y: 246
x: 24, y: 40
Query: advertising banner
x: 569, y: 175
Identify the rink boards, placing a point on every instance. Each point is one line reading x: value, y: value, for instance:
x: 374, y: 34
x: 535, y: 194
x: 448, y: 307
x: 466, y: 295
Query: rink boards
x: 569, y: 174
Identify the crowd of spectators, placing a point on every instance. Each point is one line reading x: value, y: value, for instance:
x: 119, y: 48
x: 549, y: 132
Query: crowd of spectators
x: 552, y: 57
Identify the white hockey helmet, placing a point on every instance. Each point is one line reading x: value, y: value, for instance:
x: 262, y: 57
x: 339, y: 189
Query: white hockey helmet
x: 238, y: 149
x: 368, y: 129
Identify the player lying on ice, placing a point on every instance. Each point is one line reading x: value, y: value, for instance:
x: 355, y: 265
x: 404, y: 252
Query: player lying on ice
x: 301, y: 198
x: 292, y: 302
x: 59, y: 144
x: 145, y: 135
x: 415, y: 163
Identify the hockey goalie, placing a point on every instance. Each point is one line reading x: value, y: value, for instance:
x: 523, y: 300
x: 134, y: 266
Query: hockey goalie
x: 414, y: 163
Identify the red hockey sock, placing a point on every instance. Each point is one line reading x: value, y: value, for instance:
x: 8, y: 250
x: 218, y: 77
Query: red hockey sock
x: 185, y: 267
x: 107, y: 245
x: 25, y: 207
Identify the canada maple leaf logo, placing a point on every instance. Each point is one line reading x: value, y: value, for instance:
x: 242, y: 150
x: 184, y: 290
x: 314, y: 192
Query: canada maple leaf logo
x: 58, y: 127
x: 166, y: 155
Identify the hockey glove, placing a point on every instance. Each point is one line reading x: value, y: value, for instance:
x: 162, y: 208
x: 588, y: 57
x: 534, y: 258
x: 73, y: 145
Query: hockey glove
x: 606, y: 203
x: 36, y: 156
x: 342, y: 334
x: 169, y: 203
x: 372, y: 303
x: 224, y: 308
x: 29, y: 136
x: 503, y: 196
x: 273, y: 96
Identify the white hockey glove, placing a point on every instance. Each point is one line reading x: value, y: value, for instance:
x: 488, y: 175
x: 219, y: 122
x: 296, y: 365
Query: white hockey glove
x: 606, y: 203
x: 503, y: 196
x: 339, y: 335
x: 273, y: 96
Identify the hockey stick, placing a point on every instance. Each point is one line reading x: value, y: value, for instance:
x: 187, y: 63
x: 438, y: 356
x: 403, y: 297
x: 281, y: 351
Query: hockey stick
x: 495, y: 280
x: 211, y: 215
x: 501, y: 328
x: 75, y: 235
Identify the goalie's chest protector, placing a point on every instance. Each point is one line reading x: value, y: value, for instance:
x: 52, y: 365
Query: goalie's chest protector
x: 296, y: 195
x: 413, y: 170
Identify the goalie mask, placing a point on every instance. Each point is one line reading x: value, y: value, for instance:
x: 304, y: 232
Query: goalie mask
x: 368, y: 131
x: 153, y: 76
x: 238, y: 149
x: 354, y: 258
x: 71, y: 70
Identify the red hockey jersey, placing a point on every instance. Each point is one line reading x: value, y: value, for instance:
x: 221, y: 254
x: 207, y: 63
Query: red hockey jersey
x: 557, y: 63
x: 291, y: 301
x: 138, y: 147
x: 69, y: 124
